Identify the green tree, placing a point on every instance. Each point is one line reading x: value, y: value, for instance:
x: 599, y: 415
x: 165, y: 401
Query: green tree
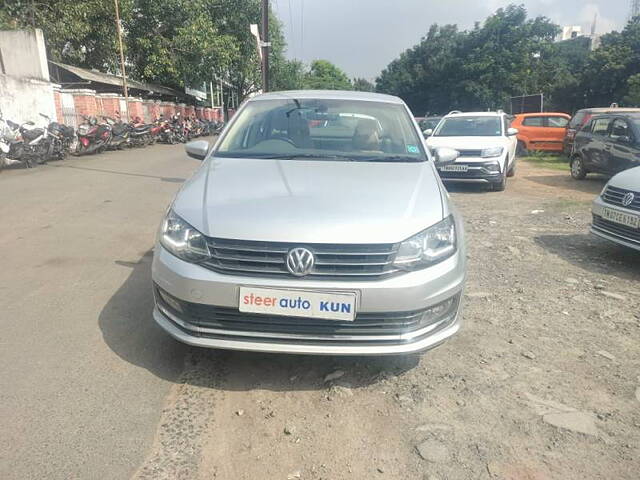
x: 609, y: 74
x: 363, y: 85
x: 426, y: 76
x: 284, y: 74
x: 632, y: 99
x: 504, y: 56
x: 81, y: 33
x: 324, y: 75
x: 176, y: 42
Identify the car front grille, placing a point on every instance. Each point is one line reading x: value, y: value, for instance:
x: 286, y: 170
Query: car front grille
x: 201, y: 318
x: 614, y: 196
x: 253, y: 258
x: 629, y: 234
x: 470, y: 153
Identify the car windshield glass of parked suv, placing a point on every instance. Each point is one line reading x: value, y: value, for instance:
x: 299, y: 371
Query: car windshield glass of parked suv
x: 317, y: 129
x: 467, y: 126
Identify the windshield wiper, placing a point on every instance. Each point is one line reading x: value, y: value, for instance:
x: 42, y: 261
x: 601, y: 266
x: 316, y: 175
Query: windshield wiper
x: 331, y: 156
x: 295, y: 156
x: 386, y: 158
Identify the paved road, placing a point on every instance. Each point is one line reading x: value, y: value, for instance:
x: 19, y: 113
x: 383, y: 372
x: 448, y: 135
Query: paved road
x: 84, y: 370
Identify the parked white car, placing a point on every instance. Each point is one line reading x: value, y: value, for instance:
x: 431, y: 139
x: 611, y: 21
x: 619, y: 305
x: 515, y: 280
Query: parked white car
x: 486, y: 143
x: 616, y: 211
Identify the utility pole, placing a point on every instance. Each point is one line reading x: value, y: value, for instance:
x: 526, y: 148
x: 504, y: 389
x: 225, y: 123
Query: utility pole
x: 124, y: 73
x: 265, y: 45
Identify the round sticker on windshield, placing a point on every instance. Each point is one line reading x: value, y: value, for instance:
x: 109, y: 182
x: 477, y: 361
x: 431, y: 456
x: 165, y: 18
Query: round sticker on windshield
x: 412, y: 149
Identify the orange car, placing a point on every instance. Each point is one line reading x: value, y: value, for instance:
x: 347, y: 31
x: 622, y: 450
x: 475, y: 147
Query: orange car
x: 541, y: 131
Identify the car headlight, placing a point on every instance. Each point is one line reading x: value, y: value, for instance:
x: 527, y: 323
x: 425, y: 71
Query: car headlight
x: 428, y: 247
x: 491, y: 152
x: 182, y: 240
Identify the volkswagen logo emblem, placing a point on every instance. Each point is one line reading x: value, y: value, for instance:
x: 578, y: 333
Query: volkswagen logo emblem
x: 627, y: 199
x: 300, y: 261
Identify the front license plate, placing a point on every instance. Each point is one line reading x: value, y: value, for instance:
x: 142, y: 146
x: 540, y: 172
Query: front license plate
x: 298, y: 303
x: 454, y: 168
x: 621, y: 218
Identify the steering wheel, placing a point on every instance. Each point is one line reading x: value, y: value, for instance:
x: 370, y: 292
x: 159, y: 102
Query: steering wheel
x: 285, y: 139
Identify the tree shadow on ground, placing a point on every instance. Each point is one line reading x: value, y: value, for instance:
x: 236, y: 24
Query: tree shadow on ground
x: 593, y: 254
x: 592, y: 184
x: 129, y: 330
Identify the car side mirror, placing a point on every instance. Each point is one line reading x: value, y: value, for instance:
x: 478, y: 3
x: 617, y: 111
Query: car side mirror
x: 428, y: 132
x: 624, y: 139
x: 512, y: 131
x: 197, y: 149
x: 444, y: 155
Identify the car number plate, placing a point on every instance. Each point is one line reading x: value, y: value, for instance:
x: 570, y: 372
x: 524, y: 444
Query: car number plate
x: 454, y: 168
x: 298, y: 303
x: 621, y: 218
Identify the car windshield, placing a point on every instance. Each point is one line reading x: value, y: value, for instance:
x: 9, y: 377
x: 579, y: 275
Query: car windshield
x: 467, y: 126
x: 331, y: 129
x: 429, y: 123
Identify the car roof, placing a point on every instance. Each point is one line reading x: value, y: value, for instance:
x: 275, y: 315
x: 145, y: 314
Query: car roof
x: 474, y: 114
x: 633, y: 115
x: 542, y: 114
x: 328, y: 95
x: 609, y: 110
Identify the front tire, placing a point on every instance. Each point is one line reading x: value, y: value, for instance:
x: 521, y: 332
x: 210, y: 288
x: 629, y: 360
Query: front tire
x: 521, y: 149
x: 500, y: 185
x: 512, y: 170
x: 578, y: 169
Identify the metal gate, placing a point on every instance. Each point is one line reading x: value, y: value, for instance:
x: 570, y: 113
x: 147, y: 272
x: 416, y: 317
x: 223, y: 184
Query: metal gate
x: 68, y: 110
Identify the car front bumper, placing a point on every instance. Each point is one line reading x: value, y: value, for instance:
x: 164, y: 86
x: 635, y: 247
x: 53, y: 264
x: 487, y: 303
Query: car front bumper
x: 208, y: 291
x: 616, y: 233
x: 477, y: 172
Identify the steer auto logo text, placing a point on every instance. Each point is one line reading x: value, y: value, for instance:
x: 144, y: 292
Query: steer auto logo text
x: 296, y: 303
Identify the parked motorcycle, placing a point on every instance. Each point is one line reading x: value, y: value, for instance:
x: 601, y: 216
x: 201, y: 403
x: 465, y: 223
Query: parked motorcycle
x: 93, y: 137
x: 119, y: 133
x: 38, y: 145
x: 11, y: 146
x: 61, y: 137
x: 140, y: 133
x: 167, y: 133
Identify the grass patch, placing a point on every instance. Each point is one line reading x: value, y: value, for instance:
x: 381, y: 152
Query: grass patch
x: 546, y: 160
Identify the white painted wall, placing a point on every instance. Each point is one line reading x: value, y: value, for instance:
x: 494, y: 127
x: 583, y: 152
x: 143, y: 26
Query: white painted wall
x: 22, y: 99
x: 24, y: 54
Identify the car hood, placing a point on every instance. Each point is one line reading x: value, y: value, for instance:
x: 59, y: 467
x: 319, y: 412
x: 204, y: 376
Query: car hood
x: 467, y: 143
x: 311, y: 201
x: 627, y: 179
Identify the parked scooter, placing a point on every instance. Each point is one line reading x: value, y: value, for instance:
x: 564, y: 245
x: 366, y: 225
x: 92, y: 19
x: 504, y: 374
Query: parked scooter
x: 93, y: 137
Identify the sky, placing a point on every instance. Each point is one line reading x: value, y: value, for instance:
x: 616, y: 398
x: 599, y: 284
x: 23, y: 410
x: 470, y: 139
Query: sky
x: 363, y: 36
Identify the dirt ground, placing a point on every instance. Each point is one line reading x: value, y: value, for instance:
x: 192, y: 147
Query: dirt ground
x: 542, y: 382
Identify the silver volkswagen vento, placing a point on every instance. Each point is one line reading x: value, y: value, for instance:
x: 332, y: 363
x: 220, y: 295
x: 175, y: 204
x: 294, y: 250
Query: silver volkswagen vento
x: 317, y: 224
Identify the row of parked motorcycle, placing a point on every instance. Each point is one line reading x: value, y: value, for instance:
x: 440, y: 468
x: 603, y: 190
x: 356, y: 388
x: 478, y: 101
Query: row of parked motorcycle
x: 29, y: 145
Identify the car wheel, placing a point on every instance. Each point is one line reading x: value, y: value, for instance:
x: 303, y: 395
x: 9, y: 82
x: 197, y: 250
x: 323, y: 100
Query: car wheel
x: 501, y: 185
x: 512, y: 170
x: 521, y: 149
x: 578, y: 170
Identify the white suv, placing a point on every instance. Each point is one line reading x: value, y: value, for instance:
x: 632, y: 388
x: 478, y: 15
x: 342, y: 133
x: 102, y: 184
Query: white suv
x: 486, y: 143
